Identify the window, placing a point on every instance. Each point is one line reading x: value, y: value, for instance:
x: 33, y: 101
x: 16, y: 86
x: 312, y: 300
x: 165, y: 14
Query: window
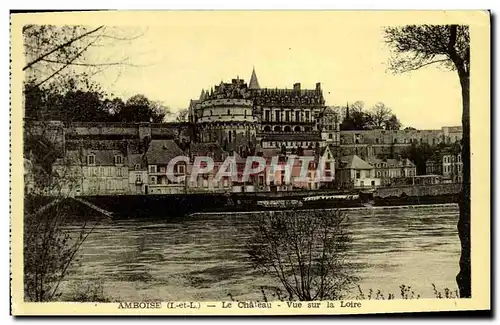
x: 277, y: 114
x: 330, y: 136
x: 91, y: 159
x: 228, y: 112
x: 137, y: 166
x: 119, y: 172
x: 297, y: 116
x: 118, y: 160
x: 267, y: 115
x: 378, y: 174
x: 138, y: 177
x: 327, y: 165
x: 307, y: 116
x: 152, y: 169
x: 287, y: 116
x: 358, y: 174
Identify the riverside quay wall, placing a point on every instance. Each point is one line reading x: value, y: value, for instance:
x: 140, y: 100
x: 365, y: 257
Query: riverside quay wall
x: 417, y: 194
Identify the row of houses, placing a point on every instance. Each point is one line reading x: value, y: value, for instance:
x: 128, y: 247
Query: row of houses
x: 122, y: 171
x: 105, y: 171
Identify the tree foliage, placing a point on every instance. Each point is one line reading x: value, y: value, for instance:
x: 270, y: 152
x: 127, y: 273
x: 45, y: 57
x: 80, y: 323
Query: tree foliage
x: 378, y: 117
x: 305, y: 252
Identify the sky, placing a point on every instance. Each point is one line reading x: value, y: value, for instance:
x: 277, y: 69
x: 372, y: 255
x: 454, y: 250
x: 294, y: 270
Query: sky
x: 177, y: 56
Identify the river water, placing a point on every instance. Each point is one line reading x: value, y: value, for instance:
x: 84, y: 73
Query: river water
x: 203, y: 257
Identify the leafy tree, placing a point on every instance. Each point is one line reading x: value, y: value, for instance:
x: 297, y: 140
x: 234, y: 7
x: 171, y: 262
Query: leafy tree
x: 304, y: 251
x: 419, y: 154
x: 356, y: 118
x: 380, y: 114
x: 379, y: 117
x: 418, y: 46
x: 182, y: 115
x: 140, y: 109
x: 392, y: 123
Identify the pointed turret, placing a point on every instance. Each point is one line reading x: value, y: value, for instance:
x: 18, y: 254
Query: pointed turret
x: 202, y: 95
x: 254, y: 83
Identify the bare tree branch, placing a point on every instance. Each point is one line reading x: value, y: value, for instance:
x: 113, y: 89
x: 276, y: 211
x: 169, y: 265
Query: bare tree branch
x: 57, y: 48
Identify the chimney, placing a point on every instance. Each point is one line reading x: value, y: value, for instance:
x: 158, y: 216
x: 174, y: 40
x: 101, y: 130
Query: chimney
x: 296, y: 86
x: 318, y: 86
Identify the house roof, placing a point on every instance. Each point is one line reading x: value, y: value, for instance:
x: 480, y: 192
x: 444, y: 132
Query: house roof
x: 354, y: 162
x: 405, y: 162
x: 162, y: 151
x: 104, y: 157
x: 207, y: 149
x: 134, y: 159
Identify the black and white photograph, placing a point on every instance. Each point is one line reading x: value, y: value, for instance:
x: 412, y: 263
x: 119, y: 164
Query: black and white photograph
x: 250, y: 162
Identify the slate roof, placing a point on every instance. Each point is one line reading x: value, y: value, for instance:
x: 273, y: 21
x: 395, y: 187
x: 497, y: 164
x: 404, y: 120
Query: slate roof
x: 104, y: 157
x: 254, y: 82
x: 135, y: 158
x: 162, y: 151
x: 391, y: 162
x: 353, y: 162
x: 207, y: 149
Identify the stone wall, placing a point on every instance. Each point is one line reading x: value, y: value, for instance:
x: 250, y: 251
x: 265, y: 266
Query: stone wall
x: 418, y: 190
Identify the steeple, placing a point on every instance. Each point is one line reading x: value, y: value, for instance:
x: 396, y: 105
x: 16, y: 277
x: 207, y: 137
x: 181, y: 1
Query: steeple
x: 202, y: 95
x: 254, y: 83
x: 347, y: 111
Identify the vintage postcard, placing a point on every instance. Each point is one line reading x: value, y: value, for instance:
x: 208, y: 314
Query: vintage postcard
x: 250, y: 162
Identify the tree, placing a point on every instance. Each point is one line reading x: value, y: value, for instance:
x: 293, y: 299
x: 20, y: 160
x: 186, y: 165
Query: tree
x: 57, y: 84
x: 304, y: 251
x: 392, y: 123
x: 415, y: 47
x: 182, y: 115
x: 138, y: 108
x: 380, y: 114
x: 55, y: 52
x: 49, y: 250
x: 419, y: 154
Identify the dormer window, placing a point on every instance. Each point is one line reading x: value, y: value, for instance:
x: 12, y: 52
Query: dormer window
x: 137, y: 166
x: 91, y: 159
x: 118, y: 160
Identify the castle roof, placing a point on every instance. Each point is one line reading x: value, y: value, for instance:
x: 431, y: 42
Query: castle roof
x: 254, y: 83
x: 302, y: 136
